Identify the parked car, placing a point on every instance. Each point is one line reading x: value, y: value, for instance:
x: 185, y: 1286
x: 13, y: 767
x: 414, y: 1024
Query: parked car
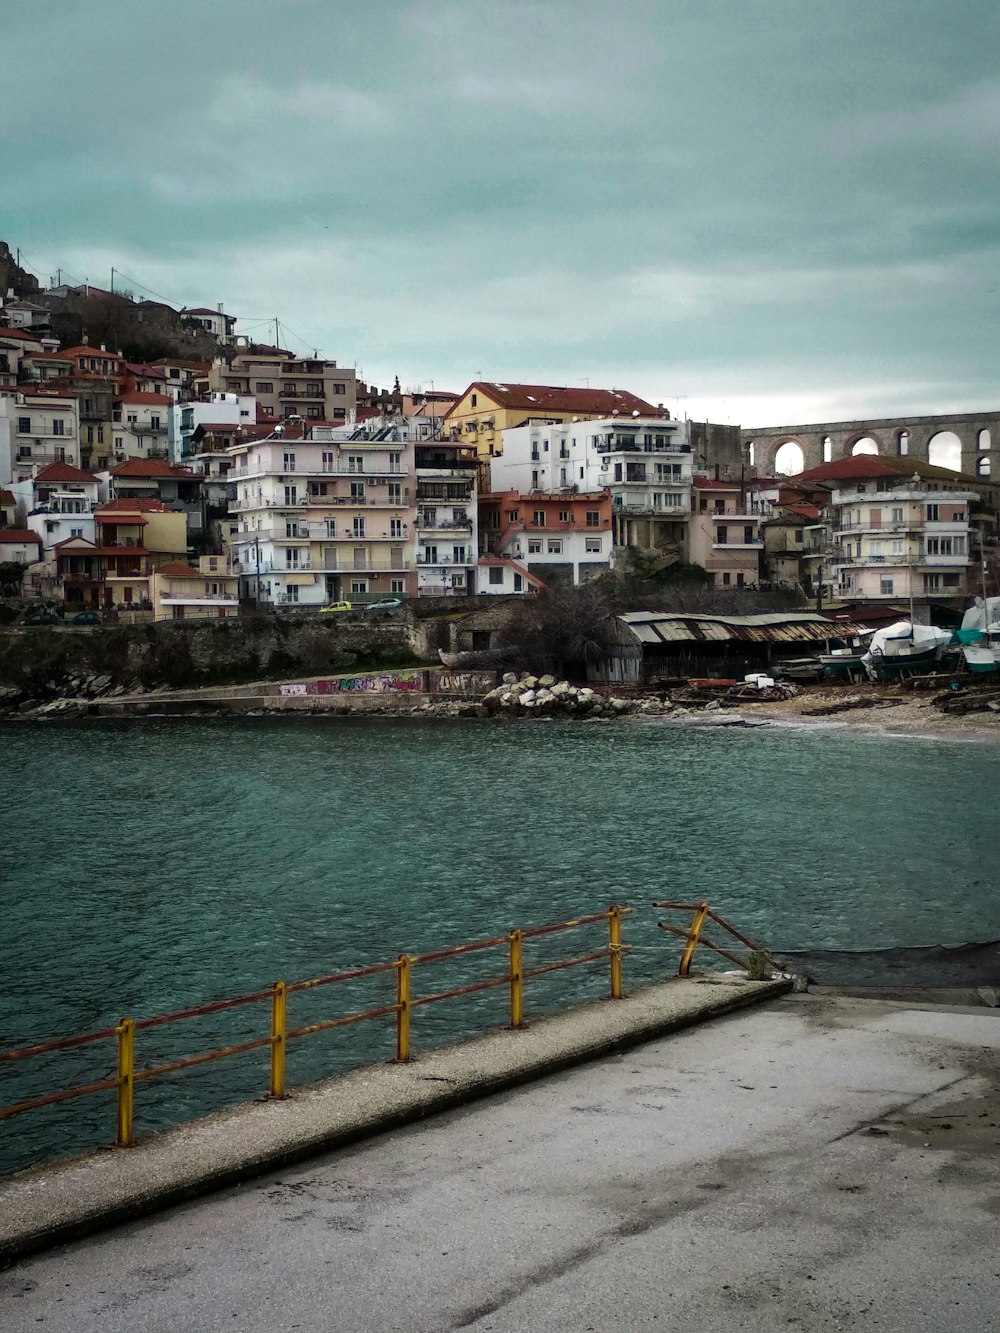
x: 385, y: 604
x: 84, y: 618
x: 41, y: 617
x: 336, y: 607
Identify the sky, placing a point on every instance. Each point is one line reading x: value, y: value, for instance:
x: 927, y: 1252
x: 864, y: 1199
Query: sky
x: 756, y: 211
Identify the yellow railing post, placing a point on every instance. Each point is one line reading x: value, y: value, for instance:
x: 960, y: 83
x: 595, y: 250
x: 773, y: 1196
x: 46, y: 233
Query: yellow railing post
x: 615, y: 949
x: 279, y: 1026
x: 126, y: 1082
x: 694, y: 935
x: 403, y: 1008
x: 516, y: 980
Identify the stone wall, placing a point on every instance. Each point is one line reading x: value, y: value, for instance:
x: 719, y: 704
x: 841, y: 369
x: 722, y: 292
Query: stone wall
x: 191, y: 653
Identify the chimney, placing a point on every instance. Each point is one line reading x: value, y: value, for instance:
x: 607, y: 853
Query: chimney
x: 219, y: 307
x: 103, y: 348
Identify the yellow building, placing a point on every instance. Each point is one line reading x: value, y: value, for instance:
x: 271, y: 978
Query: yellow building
x: 135, y: 538
x: 210, y: 592
x: 486, y: 410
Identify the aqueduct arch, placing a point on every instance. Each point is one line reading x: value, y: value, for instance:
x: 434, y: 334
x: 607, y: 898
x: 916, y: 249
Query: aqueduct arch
x: 895, y: 437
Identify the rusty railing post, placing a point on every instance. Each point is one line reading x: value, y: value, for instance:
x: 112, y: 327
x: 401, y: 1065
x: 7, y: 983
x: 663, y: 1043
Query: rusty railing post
x: 615, y: 949
x: 516, y: 980
x: 279, y: 1028
x: 126, y: 1082
x: 403, y: 1008
x: 694, y: 935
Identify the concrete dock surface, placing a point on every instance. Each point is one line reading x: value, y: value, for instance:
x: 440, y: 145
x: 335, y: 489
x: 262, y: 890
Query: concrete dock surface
x: 74, y: 1197
x: 810, y: 1164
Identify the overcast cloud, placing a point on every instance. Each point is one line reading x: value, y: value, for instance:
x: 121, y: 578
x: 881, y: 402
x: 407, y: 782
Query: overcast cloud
x: 762, y: 211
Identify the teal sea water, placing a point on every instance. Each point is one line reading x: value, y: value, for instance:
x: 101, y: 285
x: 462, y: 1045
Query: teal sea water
x: 150, y: 866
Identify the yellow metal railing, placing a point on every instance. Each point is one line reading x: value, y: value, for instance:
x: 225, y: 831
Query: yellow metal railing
x: 694, y: 936
x: 128, y: 1075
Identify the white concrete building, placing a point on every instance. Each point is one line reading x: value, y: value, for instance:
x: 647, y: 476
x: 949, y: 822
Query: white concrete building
x: 139, y: 427
x: 60, y: 502
x: 37, y: 428
x: 447, y: 537
x: 326, y: 518
x: 645, y: 463
x: 910, y: 541
x: 219, y: 409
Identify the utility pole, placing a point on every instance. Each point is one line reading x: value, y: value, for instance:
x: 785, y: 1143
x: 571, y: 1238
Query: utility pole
x: 112, y: 281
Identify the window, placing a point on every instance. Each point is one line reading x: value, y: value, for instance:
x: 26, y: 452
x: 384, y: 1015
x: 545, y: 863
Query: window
x: 562, y: 477
x: 395, y: 462
x: 358, y: 527
x: 331, y: 527
x: 748, y: 535
x: 291, y: 495
x: 357, y: 490
x: 518, y: 583
x: 740, y: 580
x: 474, y: 402
x: 727, y: 578
x: 291, y: 557
x: 131, y: 418
x: 885, y: 587
x: 563, y: 515
x: 397, y: 585
x: 76, y: 532
x: 24, y: 425
x: 534, y: 545
x: 429, y: 555
x: 154, y: 423
x: 496, y: 574
x: 355, y: 462
x: 512, y: 515
x: 534, y: 479
x: 593, y: 545
x: 289, y: 463
x: 395, y: 527
x: 722, y: 535
x: 60, y: 453
x: 932, y: 514
x: 538, y: 518
x: 314, y: 413
x: 395, y: 493
x: 458, y: 555
x: 90, y: 435
x: 100, y: 434
x: 359, y: 585
x: 897, y: 516
x: 58, y: 426
x: 555, y: 546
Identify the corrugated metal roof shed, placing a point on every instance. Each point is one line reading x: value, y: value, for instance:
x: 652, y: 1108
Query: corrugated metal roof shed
x: 775, y: 627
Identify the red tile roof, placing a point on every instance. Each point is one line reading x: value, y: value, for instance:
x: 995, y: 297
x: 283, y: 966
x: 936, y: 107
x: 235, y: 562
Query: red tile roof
x: 43, y: 391
x: 803, y: 511
x: 708, y: 484
x: 63, y: 472
x: 539, y: 398
x: 25, y: 334
x: 137, y: 506
x: 203, y: 310
x: 150, y: 467
x: 17, y: 535
x: 6, y: 497
x: 147, y: 399
x: 179, y: 570
x: 85, y: 349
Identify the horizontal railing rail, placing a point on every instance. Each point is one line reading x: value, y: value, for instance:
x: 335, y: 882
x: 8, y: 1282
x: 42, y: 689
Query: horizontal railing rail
x: 128, y: 1074
x: 694, y: 936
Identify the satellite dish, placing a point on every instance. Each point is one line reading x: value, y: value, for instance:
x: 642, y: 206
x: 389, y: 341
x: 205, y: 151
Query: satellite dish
x: 635, y: 413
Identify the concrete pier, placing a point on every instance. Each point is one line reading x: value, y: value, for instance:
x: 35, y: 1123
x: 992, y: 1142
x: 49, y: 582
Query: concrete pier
x: 47, y: 1205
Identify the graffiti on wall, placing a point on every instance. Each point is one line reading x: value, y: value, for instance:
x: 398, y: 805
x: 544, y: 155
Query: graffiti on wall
x: 377, y: 682
x: 463, y: 682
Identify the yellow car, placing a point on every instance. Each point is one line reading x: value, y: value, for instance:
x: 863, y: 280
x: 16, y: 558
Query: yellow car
x: 336, y: 606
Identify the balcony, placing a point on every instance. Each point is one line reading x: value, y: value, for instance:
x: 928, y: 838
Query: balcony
x: 443, y: 524
x: 423, y: 560
x: 334, y: 562
x: 756, y: 545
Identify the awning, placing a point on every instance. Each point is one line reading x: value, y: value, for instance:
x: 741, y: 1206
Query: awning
x: 300, y: 580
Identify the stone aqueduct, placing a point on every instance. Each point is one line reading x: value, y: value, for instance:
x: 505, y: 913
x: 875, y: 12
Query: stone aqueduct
x: 978, y: 433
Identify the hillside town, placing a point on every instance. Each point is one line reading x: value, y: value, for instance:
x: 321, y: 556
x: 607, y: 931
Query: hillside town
x: 247, y: 477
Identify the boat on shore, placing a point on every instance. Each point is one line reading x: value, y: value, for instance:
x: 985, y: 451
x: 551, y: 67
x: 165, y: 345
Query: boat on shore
x: 904, y: 649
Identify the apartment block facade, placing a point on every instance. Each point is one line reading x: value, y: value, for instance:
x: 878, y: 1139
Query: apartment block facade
x: 907, y: 542
x: 287, y: 386
x: 725, y: 535
x: 447, y: 531
x: 324, y: 519
x: 563, y: 539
